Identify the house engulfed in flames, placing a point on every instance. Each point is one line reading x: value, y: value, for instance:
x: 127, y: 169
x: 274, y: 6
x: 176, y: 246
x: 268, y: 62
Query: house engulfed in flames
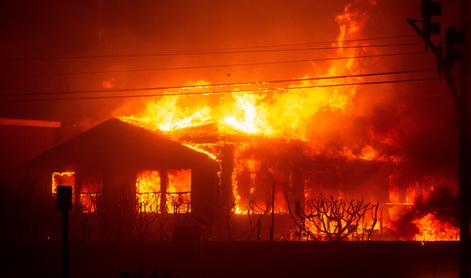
x: 227, y: 157
x: 130, y: 182
x: 114, y: 162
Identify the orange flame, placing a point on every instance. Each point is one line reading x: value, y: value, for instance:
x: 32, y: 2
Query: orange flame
x: 285, y: 115
x: 275, y: 115
x: 432, y: 229
x: 177, y: 194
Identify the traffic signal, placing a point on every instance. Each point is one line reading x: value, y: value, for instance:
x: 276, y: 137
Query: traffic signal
x: 452, y: 39
x: 430, y: 8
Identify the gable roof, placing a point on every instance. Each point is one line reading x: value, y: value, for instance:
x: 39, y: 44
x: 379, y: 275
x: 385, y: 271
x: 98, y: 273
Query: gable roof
x: 114, y: 143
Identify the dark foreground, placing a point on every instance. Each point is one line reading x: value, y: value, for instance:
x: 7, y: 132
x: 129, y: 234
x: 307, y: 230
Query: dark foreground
x: 237, y: 259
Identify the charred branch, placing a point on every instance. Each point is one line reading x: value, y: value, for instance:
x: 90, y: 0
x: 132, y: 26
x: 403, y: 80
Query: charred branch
x: 332, y: 219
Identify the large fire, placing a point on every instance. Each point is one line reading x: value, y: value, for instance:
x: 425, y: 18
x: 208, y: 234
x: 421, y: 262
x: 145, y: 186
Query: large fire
x: 432, y: 229
x: 280, y: 115
x: 250, y: 116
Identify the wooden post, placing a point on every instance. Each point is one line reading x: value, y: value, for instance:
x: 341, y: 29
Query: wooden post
x: 461, y: 105
x: 464, y: 149
x: 163, y: 190
x: 64, y: 205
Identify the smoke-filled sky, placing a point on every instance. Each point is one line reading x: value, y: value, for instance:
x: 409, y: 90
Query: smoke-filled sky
x: 418, y: 116
x: 57, y: 29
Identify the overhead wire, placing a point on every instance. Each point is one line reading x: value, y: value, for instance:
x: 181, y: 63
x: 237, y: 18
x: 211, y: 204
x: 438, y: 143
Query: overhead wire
x: 246, y: 83
x: 40, y: 96
x: 259, y: 91
x: 238, y: 64
x: 137, y: 55
x: 399, y: 36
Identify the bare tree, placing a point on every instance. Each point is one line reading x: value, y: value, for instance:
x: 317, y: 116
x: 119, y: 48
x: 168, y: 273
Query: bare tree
x: 334, y: 219
x: 180, y: 202
x: 256, y: 214
x: 180, y: 207
x: 86, y: 214
x: 147, y: 213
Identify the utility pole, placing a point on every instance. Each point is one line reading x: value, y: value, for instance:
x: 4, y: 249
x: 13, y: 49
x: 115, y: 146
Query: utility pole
x: 445, y: 64
x: 465, y: 151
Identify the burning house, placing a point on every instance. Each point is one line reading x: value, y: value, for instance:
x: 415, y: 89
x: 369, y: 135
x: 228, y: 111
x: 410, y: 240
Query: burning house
x: 131, y: 182
x: 117, y: 170
x: 260, y: 159
x: 235, y: 138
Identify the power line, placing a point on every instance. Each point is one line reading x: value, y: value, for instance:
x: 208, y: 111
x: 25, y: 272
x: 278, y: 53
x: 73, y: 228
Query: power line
x: 239, y: 64
x: 260, y: 91
x: 303, y: 43
x: 204, y: 53
x: 266, y: 82
x: 232, y: 65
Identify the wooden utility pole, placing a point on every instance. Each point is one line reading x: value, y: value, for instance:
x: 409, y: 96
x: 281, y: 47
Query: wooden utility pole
x: 464, y: 150
x: 461, y: 104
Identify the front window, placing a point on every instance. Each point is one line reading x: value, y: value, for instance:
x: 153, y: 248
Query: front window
x: 148, y: 191
x: 90, y: 189
x: 63, y: 178
x: 179, y: 191
x: 164, y: 191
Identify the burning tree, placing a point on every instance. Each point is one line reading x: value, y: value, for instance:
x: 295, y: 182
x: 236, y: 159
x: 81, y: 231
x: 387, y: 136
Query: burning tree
x: 334, y: 219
